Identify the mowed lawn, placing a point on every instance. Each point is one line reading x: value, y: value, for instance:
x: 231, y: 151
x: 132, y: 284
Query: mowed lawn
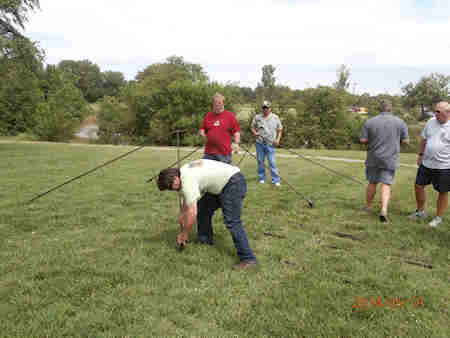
x: 97, y: 257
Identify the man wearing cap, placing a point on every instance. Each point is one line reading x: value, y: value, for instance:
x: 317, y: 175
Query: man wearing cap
x: 267, y: 129
x: 433, y: 160
x: 383, y: 135
x: 218, y: 128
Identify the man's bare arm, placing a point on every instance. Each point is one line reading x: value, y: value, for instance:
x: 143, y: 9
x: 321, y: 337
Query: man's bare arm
x: 237, y: 137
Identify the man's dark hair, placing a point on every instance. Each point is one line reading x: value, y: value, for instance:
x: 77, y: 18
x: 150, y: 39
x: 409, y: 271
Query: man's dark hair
x: 166, y: 178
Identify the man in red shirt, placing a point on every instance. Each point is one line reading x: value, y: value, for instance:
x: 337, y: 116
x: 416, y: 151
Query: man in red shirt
x: 218, y: 127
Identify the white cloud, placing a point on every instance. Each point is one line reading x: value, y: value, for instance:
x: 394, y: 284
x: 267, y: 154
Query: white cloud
x: 320, y: 33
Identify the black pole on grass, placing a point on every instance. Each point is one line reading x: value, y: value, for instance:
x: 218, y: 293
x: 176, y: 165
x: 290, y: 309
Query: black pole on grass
x: 310, y: 203
x: 181, y: 246
x: 85, y: 173
x: 325, y: 167
x: 242, y: 158
x: 176, y: 163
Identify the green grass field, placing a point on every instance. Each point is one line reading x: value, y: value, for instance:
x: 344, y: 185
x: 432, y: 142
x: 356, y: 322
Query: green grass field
x: 97, y: 257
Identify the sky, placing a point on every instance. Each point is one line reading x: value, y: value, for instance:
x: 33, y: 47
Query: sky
x: 385, y: 43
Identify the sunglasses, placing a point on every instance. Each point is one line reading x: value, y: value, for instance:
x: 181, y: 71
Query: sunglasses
x: 265, y: 107
x: 437, y: 111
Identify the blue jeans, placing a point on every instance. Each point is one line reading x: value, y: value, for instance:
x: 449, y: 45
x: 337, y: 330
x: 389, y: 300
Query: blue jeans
x: 218, y: 157
x: 263, y: 150
x: 230, y: 200
x: 207, y: 205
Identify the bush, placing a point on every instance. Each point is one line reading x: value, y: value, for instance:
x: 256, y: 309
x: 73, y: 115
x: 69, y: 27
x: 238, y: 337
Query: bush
x: 115, y: 121
x: 320, y: 121
x: 181, y: 105
x: 57, y: 118
x: 19, y: 96
x: 53, y: 124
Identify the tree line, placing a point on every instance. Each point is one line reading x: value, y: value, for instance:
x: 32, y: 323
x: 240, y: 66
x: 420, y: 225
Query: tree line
x: 50, y: 102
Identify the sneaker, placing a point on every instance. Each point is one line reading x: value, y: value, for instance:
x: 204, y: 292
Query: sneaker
x: 435, y: 222
x: 383, y: 219
x: 246, y: 265
x: 418, y: 215
x: 262, y: 182
x: 277, y: 184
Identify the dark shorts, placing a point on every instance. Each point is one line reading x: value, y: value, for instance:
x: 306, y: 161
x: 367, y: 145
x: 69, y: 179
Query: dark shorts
x: 440, y: 178
x: 377, y: 175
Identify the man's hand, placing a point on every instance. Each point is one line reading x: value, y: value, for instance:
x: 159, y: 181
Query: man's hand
x: 187, y: 217
x: 236, y: 148
x: 182, y: 238
x: 202, y: 134
x: 276, y: 142
x: 419, y: 159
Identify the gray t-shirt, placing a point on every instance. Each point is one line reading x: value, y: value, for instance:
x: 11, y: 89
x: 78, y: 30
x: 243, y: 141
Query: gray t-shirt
x: 437, y: 148
x: 384, y: 133
x: 267, y: 128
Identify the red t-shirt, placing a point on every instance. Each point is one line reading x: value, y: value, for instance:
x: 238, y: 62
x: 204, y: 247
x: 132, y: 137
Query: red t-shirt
x: 218, y: 129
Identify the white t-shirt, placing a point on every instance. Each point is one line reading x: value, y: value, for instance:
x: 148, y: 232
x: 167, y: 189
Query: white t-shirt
x: 437, y: 148
x: 201, y: 176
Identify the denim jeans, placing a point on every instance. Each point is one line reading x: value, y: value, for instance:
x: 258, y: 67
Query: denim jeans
x: 263, y: 150
x: 218, y: 157
x: 230, y: 200
x: 207, y: 205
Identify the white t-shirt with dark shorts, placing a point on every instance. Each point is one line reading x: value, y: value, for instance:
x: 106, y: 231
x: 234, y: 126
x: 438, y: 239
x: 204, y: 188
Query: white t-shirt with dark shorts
x: 435, y: 166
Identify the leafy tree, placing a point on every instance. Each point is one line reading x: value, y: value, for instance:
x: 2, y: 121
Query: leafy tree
x: 268, y: 81
x: 283, y: 99
x: 248, y: 94
x: 57, y: 117
x: 181, y: 105
x: 14, y: 47
x: 160, y: 75
x: 322, y: 120
x: 115, y: 121
x: 14, y: 12
x: 20, y: 93
x: 16, y: 50
x: 20, y: 68
x: 343, y: 78
x: 112, y: 82
x: 428, y: 91
x: 88, y: 77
